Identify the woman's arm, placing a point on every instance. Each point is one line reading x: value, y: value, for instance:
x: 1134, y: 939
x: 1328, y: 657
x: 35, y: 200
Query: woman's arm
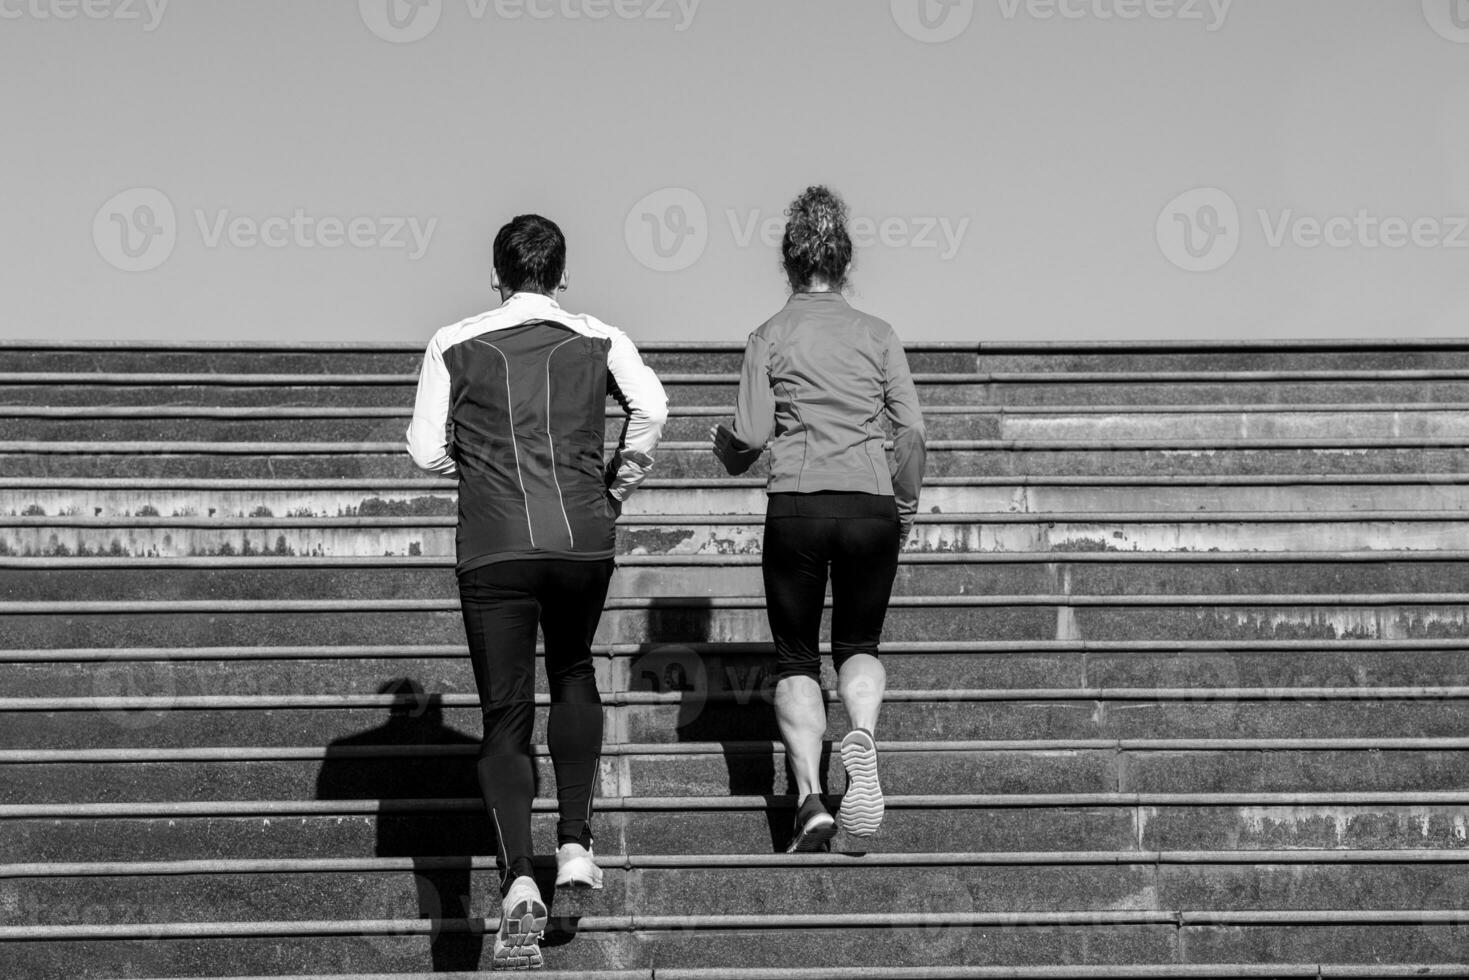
x: 900, y: 398
x: 738, y: 448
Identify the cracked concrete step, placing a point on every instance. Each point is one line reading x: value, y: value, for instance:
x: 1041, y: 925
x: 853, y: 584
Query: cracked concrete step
x: 998, y: 537
x: 741, y: 539
x: 120, y: 498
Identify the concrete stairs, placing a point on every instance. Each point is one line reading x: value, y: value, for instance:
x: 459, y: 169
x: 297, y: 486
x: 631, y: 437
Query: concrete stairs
x: 1179, y: 662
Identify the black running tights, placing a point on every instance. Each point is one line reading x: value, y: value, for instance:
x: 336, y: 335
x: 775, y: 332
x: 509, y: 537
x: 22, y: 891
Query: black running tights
x: 503, y: 603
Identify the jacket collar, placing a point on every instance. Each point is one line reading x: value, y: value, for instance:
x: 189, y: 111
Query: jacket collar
x: 531, y: 304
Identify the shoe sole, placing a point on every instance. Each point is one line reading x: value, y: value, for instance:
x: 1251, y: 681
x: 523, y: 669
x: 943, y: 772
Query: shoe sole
x: 813, y: 839
x: 518, y: 943
x: 862, y: 807
x: 578, y: 880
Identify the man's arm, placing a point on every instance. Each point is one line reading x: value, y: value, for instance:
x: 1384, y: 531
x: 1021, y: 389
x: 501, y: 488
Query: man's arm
x: 428, y: 433
x: 640, y: 393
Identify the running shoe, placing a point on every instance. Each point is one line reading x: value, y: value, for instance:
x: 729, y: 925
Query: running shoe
x: 522, y: 922
x: 862, y: 806
x: 814, y: 827
x: 576, y: 868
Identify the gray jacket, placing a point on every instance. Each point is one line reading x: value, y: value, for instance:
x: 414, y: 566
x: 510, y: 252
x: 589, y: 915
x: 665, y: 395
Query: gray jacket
x: 817, y: 378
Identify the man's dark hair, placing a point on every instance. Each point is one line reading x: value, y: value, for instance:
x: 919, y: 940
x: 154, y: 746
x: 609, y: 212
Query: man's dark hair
x: 530, y: 254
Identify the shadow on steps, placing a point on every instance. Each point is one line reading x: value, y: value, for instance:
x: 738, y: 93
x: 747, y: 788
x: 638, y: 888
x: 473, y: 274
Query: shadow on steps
x: 673, y: 663
x: 443, y: 892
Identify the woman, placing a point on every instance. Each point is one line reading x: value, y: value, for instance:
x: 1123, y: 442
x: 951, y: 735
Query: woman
x: 817, y: 377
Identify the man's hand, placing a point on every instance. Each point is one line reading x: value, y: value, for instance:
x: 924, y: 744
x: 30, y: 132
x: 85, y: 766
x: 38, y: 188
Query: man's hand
x: 625, y: 473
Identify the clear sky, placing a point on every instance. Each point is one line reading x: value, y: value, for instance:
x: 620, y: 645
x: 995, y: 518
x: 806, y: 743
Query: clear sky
x: 1021, y: 169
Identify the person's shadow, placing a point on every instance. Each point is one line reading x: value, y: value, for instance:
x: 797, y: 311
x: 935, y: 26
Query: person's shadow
x: 357, y: 768
x: 726, y: 697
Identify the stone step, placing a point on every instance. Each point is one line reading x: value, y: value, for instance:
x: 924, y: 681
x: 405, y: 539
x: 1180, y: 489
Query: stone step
x: 1138, y: 713
x: 1218, y: 458
x: 692, y: 425
x: 959, y: 574
x: 1064, y: 356
x: 1056, y: 389
x: 1060, y: 972
x: 730, y: 496
x: 935, y: 537
x: 689, y: 944
x: 912, y: 769
x: 732, y: 619
x: 398, y: 888
x: 407, y: 358
x: 1244, y: 823
x: 421, y: 674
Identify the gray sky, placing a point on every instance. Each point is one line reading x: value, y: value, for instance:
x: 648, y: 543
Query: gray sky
x: 330, y: 177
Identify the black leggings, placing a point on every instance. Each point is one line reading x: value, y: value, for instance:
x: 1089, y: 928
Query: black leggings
x: 855, y: 536
x: 503, y: 603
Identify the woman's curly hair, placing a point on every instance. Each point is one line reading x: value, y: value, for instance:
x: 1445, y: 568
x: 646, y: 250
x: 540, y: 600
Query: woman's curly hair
x: 816, y: 244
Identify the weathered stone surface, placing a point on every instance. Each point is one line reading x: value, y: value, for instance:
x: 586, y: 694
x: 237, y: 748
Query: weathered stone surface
x: 1362, y: 827
x: 716, y: 664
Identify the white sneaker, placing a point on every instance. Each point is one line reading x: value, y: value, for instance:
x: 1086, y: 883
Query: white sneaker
x: 522, y: 922
x: 862, y: 805
x: 577, y: 868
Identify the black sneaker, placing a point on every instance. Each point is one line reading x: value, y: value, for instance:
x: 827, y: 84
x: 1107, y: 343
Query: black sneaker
x: 815, y: 827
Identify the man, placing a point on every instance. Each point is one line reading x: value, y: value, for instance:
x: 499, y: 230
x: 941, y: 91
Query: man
x: 514, y: 401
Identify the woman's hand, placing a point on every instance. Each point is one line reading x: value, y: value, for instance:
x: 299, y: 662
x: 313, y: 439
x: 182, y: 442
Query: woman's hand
x: 728, y: 450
